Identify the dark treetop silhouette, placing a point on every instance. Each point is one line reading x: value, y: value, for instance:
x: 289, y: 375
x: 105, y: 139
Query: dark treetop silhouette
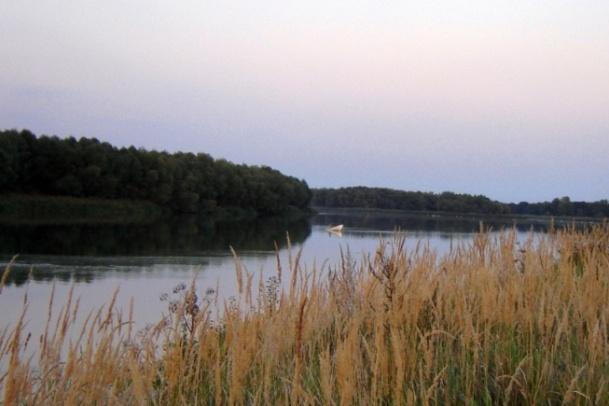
x: 181, y: 182
x: 382, y: 198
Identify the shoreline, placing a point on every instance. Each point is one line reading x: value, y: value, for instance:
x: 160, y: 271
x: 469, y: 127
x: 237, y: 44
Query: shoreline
x: 533, y: 219
x: 37, y: 209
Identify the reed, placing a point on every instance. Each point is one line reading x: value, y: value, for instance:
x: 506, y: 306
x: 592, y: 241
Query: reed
x: 491, y: 322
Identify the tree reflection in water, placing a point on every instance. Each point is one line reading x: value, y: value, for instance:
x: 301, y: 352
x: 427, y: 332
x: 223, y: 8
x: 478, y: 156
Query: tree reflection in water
x: 180, y: 241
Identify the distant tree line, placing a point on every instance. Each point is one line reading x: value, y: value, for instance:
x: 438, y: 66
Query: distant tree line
x: 382, y: 198
x: 182, y: 182
x: 563, y: 207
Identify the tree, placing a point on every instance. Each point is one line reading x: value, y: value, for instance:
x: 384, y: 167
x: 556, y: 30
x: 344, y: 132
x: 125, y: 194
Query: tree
x: 184, y: 182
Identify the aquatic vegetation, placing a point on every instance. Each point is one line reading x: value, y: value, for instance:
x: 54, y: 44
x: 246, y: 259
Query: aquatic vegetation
x: 493, y: 321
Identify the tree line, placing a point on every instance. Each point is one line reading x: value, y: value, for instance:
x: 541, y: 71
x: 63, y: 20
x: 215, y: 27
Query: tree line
x: 383, y: 198
x: 182, y: 182
x: 563, y: 207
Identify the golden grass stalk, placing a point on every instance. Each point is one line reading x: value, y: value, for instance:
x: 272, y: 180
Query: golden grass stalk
x: 494, y: 321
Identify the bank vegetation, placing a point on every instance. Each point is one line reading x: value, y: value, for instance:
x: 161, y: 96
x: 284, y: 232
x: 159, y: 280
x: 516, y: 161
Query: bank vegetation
x: 494, y: 321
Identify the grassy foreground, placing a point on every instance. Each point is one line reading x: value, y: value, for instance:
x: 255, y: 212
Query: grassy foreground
x: 493, y: 322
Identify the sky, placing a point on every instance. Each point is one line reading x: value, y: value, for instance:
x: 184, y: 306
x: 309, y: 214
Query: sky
x: 504, y: 98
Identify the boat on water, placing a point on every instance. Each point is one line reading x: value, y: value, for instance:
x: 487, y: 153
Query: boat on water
x: 336, y: 229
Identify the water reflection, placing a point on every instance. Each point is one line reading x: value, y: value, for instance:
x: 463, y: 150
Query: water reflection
x: 367, y: 221
x: 184, y: 235
x: 145, y: 261
x: 78, y: 253
x: 183, y: 246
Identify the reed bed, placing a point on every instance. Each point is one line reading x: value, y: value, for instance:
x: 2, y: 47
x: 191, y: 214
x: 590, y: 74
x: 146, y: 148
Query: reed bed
x: 492, y: 322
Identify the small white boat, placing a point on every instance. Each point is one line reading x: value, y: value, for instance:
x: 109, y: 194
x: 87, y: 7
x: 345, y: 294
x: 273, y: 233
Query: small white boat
x: 336, y: 229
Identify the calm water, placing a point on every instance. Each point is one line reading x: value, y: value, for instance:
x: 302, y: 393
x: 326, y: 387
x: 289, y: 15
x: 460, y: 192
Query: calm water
x: 146, y: 261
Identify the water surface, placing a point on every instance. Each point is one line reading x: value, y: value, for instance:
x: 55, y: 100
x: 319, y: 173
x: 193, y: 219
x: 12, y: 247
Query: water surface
x: 146, y: 261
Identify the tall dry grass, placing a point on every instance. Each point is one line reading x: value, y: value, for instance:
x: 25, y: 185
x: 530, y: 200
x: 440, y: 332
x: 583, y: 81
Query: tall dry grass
x: 492, y: 322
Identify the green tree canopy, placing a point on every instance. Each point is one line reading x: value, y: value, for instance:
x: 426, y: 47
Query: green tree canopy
x: 183, y: 182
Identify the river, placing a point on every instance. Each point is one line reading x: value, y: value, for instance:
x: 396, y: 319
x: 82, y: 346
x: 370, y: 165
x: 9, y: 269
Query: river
x: 146, y: 262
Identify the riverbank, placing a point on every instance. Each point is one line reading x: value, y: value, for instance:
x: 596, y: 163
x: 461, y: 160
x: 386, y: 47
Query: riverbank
x: 45, y: 209
x: 477, y: 217
x: 493, y: 322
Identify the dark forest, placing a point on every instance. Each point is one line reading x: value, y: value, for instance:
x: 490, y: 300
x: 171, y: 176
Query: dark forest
x: 181, y: 182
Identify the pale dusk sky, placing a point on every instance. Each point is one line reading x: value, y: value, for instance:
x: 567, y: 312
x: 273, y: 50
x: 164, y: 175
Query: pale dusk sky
x: 504, y: 98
